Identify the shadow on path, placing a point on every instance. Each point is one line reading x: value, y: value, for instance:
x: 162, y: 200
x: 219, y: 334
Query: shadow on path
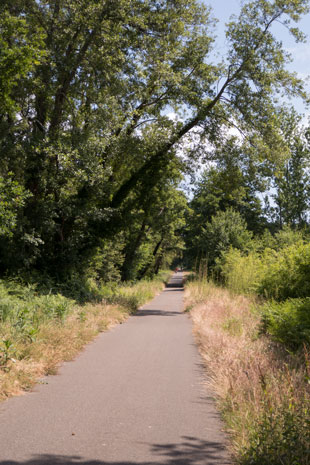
x: 177, y: 283
x: 174, y: 289
x: 192, y: 451
x: 156, y: 313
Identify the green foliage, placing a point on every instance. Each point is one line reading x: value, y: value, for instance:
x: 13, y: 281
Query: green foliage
x: 241, y: 273
x: 22, y: 311
x: 288, y: 322
x: 287, y: 273
x: 226, y: 229
x: 281, y: 436
x: 232, y: 182
x: 105, y: 264
x: 291, y: 180
x: 6, y: 351
x: 281, y: 273
x: 275, y: 267
x: 23, y: 306
x: 133, y: 295
x: 12, y: 198
x: 86, y: 88
x: 20, y: 53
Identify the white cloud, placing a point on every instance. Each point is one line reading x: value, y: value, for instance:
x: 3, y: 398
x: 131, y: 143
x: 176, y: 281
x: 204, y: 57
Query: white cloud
x: 301, y: 54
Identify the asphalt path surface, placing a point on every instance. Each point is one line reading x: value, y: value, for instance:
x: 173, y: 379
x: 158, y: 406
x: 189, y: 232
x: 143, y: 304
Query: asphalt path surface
x: 136, y: 395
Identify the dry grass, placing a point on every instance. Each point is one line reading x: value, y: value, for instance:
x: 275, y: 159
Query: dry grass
x: 262, y: 392
x: 56, y: 340
x: 54, y: 343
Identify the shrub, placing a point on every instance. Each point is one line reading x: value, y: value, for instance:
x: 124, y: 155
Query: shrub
x: 281, y: 436
x: 275, y: 274
x: 241, y: 273
x: 288, y: 322
x: 288, y: 274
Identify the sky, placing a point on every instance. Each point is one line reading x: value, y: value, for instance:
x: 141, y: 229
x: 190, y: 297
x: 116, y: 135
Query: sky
x: 223, y: 9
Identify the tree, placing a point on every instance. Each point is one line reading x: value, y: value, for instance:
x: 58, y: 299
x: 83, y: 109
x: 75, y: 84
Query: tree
x: 20, y: 53
x: 226, y: 229
x: 90, y: 137
x: 240, y: 91
x: 292, y: 180
x: 12, y: 198
x: 153, y: 235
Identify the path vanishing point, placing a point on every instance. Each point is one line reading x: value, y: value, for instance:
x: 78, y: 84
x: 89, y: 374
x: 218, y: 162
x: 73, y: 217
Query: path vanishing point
x: 136, y: 395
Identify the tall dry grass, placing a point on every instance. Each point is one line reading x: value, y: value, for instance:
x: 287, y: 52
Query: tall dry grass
x: 35, y: 348
x: 262, y: 391
x: 54, y: 343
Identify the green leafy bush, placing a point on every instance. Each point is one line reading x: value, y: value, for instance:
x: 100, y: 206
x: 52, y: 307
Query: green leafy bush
x: 241, y: 273
x: 274, y: 274
x: 23, y: 307
x: 281, y: 436
x: 288, y: 322
x: 287, y: 275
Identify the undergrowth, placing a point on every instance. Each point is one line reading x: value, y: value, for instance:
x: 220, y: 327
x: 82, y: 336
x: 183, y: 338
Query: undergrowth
x: 263, y: 390
x: 39, y: 329
x: 274, y: 274
x: 287, y: 322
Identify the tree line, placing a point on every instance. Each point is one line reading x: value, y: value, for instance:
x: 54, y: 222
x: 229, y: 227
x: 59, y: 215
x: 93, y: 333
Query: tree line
x: 91, y: 162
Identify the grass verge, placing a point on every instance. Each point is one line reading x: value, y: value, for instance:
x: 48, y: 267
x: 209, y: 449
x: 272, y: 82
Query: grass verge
x: 38, y: 332
x: 262, y: 390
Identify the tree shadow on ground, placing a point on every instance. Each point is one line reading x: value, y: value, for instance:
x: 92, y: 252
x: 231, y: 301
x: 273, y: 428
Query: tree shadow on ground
x: 174, y: 289
x: 191, y: 451
x: 175, y: 284
x: 157, y: 313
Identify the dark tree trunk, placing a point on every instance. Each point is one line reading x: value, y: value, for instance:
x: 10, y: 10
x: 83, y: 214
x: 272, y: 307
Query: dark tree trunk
x: 130, y: 254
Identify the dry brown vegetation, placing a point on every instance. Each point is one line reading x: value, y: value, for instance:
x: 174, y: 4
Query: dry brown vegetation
x: 24, y: 360
x: 55, y: 343
x: 262, y: 391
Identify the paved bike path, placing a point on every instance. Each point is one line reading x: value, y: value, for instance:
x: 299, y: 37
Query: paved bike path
x: 135, y: 395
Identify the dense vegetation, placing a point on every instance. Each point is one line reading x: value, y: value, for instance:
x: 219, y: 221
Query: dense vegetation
x: 40, y: 330
x: 90, y: 161
x: 106, y: 107
x: 249, y: 229
x: 261, y: 388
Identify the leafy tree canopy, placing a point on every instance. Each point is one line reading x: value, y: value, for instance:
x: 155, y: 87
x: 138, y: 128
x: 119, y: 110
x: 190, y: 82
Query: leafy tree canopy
x: 86, y: 87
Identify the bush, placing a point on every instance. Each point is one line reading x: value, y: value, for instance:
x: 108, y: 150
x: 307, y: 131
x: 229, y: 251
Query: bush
x: 281, y: 436
x: 287, y: 275
x: 288, y: 322
x: 23, y: 307
x: 274, y: 274
x: 241, y: 273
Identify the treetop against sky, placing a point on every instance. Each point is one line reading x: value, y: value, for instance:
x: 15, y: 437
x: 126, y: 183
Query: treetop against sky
x: 300, y: 52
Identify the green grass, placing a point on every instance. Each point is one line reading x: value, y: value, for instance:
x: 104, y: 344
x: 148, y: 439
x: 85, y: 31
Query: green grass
x: 39, y: 329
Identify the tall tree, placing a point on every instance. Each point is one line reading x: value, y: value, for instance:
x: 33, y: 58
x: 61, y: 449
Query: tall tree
x: 90, y: 135
x: 292, y: 180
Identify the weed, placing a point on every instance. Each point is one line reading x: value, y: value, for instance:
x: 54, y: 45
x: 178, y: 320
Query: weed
x: 40, y: 330
x: 233, y: 326
x: 263, y: 392
x: 6, y: 352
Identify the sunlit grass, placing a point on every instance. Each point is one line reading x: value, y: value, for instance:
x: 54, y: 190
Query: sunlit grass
x: 38, y: 332
x: 262, y: 391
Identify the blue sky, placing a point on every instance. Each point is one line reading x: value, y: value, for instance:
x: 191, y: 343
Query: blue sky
x: 223, y: 9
